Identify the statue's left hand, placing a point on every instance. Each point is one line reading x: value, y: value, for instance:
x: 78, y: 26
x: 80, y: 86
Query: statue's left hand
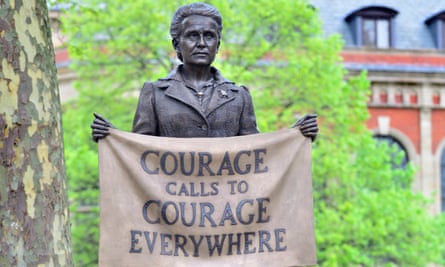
x: 308, y: 126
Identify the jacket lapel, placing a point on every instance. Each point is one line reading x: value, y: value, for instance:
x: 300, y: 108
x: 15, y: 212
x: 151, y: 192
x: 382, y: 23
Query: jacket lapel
x: 181, y: 93
x: 222, y: 94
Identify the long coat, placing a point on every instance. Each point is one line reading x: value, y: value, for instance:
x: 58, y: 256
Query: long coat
x: 168, y: 108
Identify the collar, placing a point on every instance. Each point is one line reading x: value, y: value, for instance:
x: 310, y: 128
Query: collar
x: 175, y: 75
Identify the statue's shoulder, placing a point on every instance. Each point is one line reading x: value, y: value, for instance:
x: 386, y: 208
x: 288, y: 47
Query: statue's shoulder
x: 244, y: 88
x: 159, y: 84
x: 241, y: 89
x: 172, y: 79
x: 233, y: 86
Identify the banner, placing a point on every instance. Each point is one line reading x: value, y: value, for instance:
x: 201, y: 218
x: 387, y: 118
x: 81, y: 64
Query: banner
x: 233, y: 201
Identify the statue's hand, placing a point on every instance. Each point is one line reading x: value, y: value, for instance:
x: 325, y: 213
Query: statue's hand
x: 308, y: 126
x: 100, y: 127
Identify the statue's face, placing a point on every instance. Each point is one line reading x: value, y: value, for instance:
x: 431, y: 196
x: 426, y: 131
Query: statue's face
x: 199, y: 40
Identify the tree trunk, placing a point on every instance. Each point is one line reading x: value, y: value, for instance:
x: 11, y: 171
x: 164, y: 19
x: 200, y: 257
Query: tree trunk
x: 34, y: 221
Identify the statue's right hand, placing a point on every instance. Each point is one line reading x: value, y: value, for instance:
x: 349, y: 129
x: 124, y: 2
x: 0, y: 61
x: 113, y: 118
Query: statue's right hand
x: 100, y: 127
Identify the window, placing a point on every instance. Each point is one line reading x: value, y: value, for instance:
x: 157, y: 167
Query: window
x: 436, y: 24
x: 375, y: 32
x: 398, y: 156
x: 372, y: 26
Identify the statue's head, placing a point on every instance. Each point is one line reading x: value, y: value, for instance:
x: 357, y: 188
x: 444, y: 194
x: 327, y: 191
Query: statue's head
x: 183, y: 12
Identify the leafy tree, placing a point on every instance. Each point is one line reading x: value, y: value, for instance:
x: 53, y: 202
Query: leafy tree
x: 363, y: 216
x: 34, y: 217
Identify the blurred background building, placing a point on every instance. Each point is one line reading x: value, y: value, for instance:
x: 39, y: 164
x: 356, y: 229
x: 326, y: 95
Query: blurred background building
x: 65, y: 75
x: 401, y: 44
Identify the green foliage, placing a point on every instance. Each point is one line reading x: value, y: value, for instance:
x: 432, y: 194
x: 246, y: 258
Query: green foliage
x: 364, y: 217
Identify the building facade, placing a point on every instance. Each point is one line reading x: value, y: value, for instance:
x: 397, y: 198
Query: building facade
x: 401, y: 45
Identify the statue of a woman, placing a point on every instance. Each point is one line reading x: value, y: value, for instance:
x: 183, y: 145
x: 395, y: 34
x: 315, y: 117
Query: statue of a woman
x: 195, y: 100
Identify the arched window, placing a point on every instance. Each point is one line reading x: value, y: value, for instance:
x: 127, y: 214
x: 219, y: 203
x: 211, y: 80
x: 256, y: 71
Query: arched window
x: 396, y: 148
x: 442, y: 180
x: 372, y: 26
x: 398, y: 155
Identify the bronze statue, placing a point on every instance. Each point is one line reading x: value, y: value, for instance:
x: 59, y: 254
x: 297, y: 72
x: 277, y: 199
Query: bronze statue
x: 195, y: 100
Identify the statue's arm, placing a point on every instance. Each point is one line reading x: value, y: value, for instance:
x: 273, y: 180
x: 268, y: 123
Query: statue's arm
x: 145, y: 119
x: 248, y: 123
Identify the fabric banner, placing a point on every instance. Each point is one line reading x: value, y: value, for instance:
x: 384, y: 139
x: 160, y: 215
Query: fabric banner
x: 234, y: 201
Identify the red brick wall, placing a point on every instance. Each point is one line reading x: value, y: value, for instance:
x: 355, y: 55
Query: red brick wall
x: 393, y: 58
x: 406, y: 121
x: 438, y: 128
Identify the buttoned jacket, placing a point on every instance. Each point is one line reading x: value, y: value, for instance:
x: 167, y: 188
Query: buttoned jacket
x: 168, y: 108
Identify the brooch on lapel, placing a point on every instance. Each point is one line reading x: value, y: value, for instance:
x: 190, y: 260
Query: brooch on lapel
x: 223, y: 93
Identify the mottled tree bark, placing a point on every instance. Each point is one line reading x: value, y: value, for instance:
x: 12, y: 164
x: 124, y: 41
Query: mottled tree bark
x: 34, y: 221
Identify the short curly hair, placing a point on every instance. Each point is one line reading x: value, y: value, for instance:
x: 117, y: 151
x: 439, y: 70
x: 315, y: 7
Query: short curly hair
x: 201, y: 9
